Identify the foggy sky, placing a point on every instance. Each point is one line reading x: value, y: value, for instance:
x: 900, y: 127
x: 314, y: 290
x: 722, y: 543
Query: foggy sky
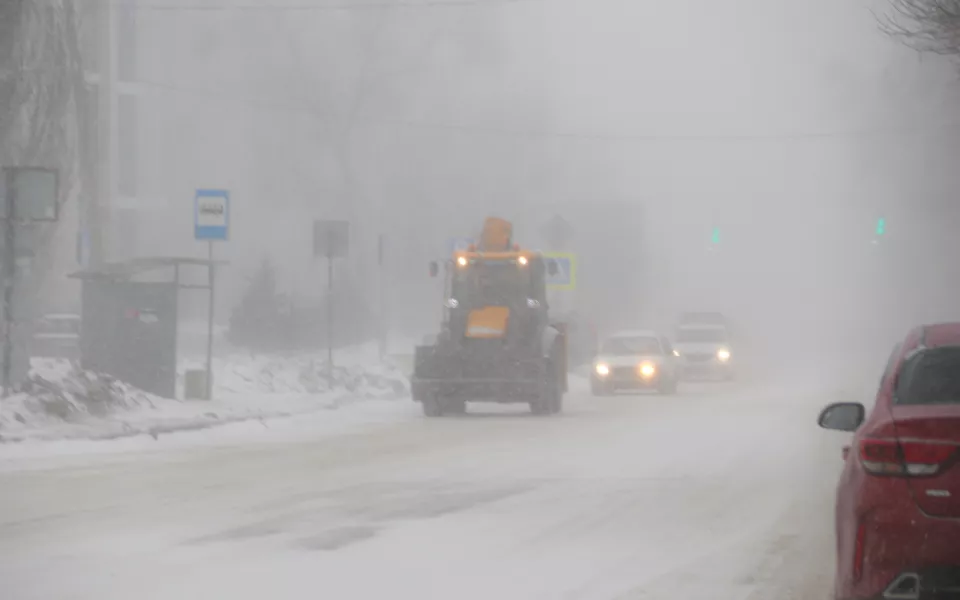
x: 790, y: 126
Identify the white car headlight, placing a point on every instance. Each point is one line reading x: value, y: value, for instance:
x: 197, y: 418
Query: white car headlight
x: 647, y: 370
x: 602, y: 369
x: 723, y: 354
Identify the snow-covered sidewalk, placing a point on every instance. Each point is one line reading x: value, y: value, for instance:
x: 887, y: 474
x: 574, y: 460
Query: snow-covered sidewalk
x: 61, y: 402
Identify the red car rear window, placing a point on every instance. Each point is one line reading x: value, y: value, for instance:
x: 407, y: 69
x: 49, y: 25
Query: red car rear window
x: 931, y: 377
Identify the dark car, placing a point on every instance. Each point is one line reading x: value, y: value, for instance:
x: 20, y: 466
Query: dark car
x: 898, y: 501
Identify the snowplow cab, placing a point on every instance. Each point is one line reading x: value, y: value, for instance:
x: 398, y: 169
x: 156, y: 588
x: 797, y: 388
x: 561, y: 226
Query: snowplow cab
x: 496, y: 236
x: 496, y: 342
x: 492, y: 294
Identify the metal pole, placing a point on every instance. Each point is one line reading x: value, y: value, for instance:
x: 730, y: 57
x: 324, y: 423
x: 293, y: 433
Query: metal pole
x: 381, y: 271
x: 99, y: 204
x: 210, y: 281
x: 9, y: 275
x: 330, y: 306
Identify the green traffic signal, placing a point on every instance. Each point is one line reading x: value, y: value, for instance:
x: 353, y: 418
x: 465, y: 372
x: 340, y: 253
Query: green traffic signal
x: 715, y: 236
x: 881, y: 226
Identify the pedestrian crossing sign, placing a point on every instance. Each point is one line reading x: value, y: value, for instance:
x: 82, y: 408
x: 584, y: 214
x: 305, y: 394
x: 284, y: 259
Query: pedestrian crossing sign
x: 566, y: 276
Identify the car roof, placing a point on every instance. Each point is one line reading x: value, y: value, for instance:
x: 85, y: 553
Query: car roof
x: 939, y: 334
x: 702, y: 326
x: 703, y: 315
x: 637, y: 333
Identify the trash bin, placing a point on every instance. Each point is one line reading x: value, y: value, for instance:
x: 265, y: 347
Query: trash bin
x: 195, y: 385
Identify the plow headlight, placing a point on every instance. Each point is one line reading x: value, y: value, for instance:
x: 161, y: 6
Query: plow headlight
x: 602, y: 369
x: 462, y: 261
x: 523, y: 261
x: 647, y: 370
x: 723, y: 354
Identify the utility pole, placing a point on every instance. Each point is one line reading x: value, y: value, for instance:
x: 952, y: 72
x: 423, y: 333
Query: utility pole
x: 382, y: 296
x: 9, y: 276
x: 98, y: 204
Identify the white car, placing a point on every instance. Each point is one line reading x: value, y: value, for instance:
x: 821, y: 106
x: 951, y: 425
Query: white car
x: 635, y: 360
x: 705, y: 351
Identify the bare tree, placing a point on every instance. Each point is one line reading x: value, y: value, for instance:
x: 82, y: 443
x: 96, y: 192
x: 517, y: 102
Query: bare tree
x: 925, y: 25
x: 43, y: 98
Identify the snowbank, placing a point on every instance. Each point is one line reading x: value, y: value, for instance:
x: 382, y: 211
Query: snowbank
x: 60, y: 401
x: 358, y: 371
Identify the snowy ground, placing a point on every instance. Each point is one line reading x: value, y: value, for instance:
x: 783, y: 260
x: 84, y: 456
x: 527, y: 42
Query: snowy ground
x: 723, y: 492
x: 63, y: 403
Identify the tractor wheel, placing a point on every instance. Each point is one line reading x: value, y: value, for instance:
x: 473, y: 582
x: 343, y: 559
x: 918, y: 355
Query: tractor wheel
x: 557, y: 407
x: 432, y: 406
x: 550, y: 399
x: 455, y: 406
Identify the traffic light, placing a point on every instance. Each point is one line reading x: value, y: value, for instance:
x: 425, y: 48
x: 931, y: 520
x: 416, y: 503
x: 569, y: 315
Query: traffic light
x: 881, y: 226
x: 715, y: 236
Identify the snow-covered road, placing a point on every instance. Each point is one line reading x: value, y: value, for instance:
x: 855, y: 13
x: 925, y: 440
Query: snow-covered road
x: 720, y: 493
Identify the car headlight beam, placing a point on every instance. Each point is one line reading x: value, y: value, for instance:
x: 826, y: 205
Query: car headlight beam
x: 723, y: 355
x: 602, y: 369
x: 647, y: 370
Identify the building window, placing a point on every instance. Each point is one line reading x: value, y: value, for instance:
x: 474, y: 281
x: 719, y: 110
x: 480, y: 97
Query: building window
x: 127, y: 138
x: 126, y: 41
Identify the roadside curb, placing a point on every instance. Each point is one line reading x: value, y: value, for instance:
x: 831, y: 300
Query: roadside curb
x: 155, y: 431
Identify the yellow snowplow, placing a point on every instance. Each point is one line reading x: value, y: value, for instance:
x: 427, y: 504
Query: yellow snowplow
x: 497, y: 342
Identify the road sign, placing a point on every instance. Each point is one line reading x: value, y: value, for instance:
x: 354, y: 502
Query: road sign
x: 211, y: 215
x: 331, y: 239
x: 566, y: 275
x: 37, y: 192
x: 459, y: 244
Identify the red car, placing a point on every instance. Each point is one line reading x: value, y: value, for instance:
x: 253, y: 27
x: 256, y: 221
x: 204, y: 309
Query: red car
x: 898, y: 501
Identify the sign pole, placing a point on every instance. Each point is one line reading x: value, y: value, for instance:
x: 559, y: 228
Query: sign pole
x: 331, y: 240
x: 210, y: 281
x: 330, y: 307
x: 9, y: 272
x: 211, y: 223
x: 383, y: 296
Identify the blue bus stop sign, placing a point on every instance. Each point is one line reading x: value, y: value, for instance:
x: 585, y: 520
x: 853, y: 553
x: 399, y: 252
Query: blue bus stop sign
x: 211, y: 215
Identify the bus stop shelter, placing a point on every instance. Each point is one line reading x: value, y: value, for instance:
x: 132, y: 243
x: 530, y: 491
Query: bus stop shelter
x: 129, y: 321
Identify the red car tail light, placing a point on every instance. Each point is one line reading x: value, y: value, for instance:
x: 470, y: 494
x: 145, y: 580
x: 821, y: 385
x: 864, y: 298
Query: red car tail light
x: 907, y: 458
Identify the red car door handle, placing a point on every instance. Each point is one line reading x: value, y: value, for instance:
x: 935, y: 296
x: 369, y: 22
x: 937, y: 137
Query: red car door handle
x: 846, y: 452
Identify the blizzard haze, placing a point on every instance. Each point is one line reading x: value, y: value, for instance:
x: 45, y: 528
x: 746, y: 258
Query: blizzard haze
x: 789, y: 127
x: 733, y: 156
